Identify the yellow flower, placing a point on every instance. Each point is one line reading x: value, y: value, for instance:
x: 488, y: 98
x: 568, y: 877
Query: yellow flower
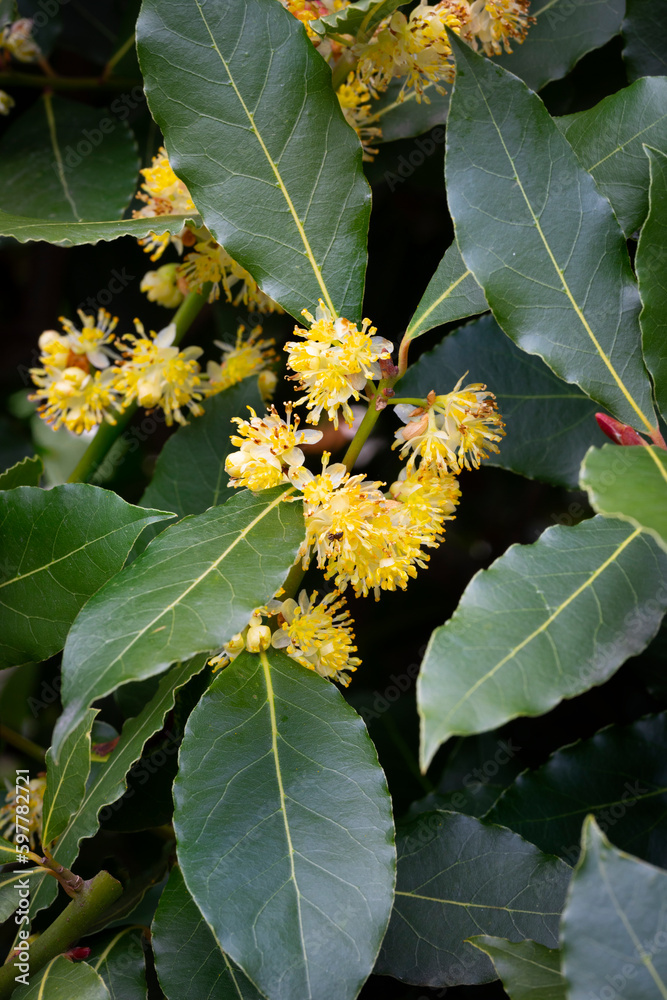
x: 76, y: 399
x: 161, y: 286
x: 269, y: 447
x: 211, y: 263
x: 247, y: 357
x: 17, y: 39
x: 156, y: 373
x: 89, y: 344
x: 7, y: 102
x: 354, y: 97
x: 163, y: 194
x: 453, y: 431
x: 334, y: 362
x: 318, y: 635
x: 33, y: 819
x: 414, y: 47
x: 494, y: 22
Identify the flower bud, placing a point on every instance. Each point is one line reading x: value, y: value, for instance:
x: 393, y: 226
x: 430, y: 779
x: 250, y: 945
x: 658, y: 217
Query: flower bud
x: 258, y: 638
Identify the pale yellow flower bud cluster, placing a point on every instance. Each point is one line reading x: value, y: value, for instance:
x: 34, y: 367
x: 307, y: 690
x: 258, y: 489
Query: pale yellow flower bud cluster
x: 87, y: 376
x: 33, y: 819
x: 17, y: 41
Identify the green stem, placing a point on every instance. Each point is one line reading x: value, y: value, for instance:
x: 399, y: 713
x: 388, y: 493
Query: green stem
x: 67, y: 82
x: 22, y: 743
x: 118, y: 55
x: 94, y: 897
x: 107, y: 434
x: 412, y: 400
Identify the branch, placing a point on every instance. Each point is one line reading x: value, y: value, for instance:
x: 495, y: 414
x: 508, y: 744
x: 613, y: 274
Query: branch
x: 94, y: 897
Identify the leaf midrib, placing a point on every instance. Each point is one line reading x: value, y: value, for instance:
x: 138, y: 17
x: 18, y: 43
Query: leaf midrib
x: 285, y: 193
x: 479, y: 906
x: 270, y: 694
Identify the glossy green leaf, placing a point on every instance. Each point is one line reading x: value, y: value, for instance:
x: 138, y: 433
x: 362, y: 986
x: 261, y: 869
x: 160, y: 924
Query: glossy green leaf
x: 452, y: 293
x: 620, y: 775
x: 650, y: 261
x: 565, y: 31
x: 631, y: 483
x: 62, y: 978
x: 190, y: 473
x: 608, y: 142
x: 521, y: 638
x: 404, y: 119
x: 59, y: 546
x: 8, y: 887
x: 195, y: 586
x: 281, y: 185
x: 541, y: 240
x: 27, y: 472
x: 67, y: 162
x: 528, y: 970
x: 107, y: 781
x: 550, y: 424
x: 66, y: 780
x: 284, y: 829
x: 458, y: 876
x: 74, y: 234
x: 613, y: 930
x: 188, y: 961
x: 7, y: 851
x: 359, y: 19
x: 645, y: 34
x: 118, y: 957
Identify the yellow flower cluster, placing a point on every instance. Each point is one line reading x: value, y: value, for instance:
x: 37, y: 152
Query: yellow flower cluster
x: 360, y: 536
x: 87, y: 376
x: 33, y: 820
x: 450, y: 432
x: 164, y: 194
x: 334, y: 362
x: 412, y: 47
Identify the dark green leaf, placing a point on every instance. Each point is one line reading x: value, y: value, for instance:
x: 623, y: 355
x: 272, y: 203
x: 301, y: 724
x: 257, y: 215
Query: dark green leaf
x: 550, y: 424
x: 620, y: 775
x: 452, y: 293
x: 74, y: 234
x: 631, y: 483
x: 359, y: 19
x: 189, y: 963
x: 62, y: 978
x: 67, y: 162
x: 66, y: 780
x: 521, y: 638
x: 403, y: 119
x: 118, y: 957
x: 27, y: 472
x: 195, y: 586
x: 190, y: 473
x: 529, y: 971
x: 650, y: 265
x: 613, y: 932
x: 645, y: 32
x: 281, y: 185
x: 565, y: 31
x: 284, y: 829
x: 59, y: 546
x: 541, y: 240
x: 458, y: 876
x: 608, y: 142
x: 107, y: 780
